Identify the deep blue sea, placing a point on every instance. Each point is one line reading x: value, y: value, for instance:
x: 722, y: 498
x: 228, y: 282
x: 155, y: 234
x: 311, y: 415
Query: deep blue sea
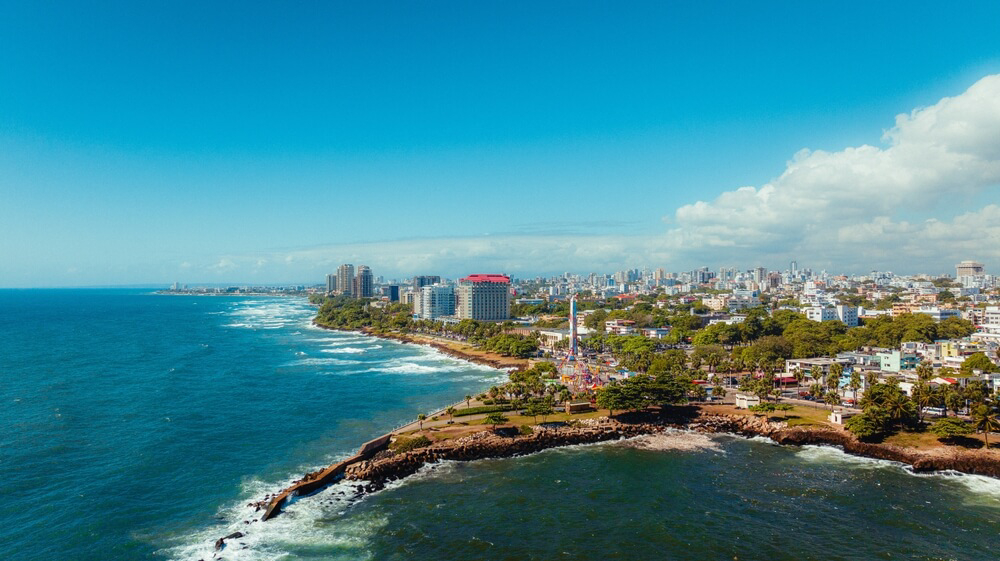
x: 138, y: 426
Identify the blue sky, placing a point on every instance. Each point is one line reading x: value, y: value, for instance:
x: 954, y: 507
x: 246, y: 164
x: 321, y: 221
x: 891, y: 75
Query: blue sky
x: 148, y: 142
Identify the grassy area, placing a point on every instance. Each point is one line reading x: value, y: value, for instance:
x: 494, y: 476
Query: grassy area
x: 797, y: 416
x: 466, y: 427
x: 910, y: 439
x: 801, y: 416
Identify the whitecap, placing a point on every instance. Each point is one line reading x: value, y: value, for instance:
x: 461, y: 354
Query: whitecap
x: 674, y: 440
x: 322, y: 362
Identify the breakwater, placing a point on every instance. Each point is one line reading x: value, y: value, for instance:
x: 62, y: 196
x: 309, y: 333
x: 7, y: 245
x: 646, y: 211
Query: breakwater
x: 317, y: 480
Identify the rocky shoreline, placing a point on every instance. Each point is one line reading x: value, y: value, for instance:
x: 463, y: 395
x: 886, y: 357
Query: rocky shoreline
x: 370, y: 472
x: 388, y: 466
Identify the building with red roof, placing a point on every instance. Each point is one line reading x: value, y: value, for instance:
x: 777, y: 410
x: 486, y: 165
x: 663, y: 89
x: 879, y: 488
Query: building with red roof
x: 484, y: 297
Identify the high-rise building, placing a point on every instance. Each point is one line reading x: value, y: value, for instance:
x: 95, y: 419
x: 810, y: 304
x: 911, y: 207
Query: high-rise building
x: 345, y: 279
x: 425, y: 280
x: 968, y: 268
x: 483, y: 297
x: 331, y: 283
x: 391, y: 291
x: 364, y: 285
x: 759, y: 274
x: 436, y: 300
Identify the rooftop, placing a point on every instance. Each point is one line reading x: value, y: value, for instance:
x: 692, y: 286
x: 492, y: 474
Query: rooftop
x: 486, y: 277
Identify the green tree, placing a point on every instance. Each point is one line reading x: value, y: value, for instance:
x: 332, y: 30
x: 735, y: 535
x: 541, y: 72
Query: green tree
x: 816, y: 390
x: 799, y: 376
x: 421, y: 418
x: 833, y: 378
x: 953, y: 399
x: 613, y: 397
x: 950, y: 428
x: 719, y: 392
x: 832, y: 398
x: 924, y: 397
x: 855, y: 384
x: 925, y: 372
x: 496, y: 419
x: 900, y: 408
x: 978, y: 361
x: 468, y: 401
x: 869, y: 425
x: 976, y: 391
x: 451, y: 413
x: 984, y: 419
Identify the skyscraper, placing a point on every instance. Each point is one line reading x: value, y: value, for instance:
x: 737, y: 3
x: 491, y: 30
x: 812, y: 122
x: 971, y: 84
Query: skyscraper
x: 364, y: 286
x: 483, y: 297
x: 968, y: 268
x: 345, y: 279
x: 425, y: 280
x: 331, y: 283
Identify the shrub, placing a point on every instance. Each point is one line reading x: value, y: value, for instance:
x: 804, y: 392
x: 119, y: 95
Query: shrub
x: 404, y: 444
x: 525, y: 430
x: 483, y: 409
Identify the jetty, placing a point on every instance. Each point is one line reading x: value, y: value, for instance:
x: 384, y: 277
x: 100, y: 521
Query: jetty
x: 316, y: 481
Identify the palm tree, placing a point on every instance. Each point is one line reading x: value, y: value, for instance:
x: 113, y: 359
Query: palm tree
x: 799, y: 376
x: 898, y: 407
x: 924, y: 397
x: 816, y: 390
x: 831, y: 398
x: 420, y: 418
x: 871, y: 378
x: 855, y: 384
x: 468, y: 398
x: 833, y: 378
x: 984, y: 418
x: 451, y: 413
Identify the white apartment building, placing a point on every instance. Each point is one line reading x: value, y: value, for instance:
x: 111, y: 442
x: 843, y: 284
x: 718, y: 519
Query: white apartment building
x: 938, y: 313
x: 436, y: 300
x: 846, y: 314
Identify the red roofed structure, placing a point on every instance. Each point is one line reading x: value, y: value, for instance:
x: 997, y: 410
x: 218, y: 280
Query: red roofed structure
x: 481, y: 277
x: 483, y: 297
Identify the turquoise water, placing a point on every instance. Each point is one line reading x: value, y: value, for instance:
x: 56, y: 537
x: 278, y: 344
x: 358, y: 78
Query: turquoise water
x: 138, y: 426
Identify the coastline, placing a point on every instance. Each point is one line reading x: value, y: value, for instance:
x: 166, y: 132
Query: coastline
x: 375, y: 465
x: 386, y: 467
x: 472, y: 355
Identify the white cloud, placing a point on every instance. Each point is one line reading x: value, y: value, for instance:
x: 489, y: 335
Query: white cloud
x: 851, y: 210
x: 839, y: 206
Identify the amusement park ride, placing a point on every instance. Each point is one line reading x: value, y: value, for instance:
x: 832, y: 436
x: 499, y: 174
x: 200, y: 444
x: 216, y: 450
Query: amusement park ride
x: 574, y: 371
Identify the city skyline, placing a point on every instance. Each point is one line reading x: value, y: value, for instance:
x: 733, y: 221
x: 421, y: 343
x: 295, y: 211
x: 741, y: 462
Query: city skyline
x: 273, y: 144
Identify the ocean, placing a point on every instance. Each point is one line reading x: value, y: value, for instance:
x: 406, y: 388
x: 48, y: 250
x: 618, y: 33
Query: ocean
x: 139, y: 426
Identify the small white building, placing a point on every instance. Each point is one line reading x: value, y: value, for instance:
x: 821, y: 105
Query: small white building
x: 744, y: 401
x: 839, y: 417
